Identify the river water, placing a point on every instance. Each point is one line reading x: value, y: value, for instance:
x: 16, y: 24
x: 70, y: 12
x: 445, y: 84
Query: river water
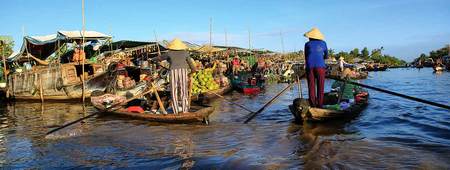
x: 391, y: 133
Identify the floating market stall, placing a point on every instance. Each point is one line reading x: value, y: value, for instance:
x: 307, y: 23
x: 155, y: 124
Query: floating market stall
x: 44, y: 68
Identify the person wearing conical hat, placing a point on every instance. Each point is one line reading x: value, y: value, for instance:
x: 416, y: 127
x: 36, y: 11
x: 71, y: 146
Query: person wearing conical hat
x: 342, y: 63
x: 316, y: 52
x: 180, y: 64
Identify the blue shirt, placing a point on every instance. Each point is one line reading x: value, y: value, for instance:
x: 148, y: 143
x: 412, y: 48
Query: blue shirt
x: 315, y: 54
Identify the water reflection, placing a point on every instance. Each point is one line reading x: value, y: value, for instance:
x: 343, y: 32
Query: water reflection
x: 391, y: 133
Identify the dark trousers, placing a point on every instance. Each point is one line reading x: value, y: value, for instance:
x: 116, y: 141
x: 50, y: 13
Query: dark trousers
x: 315, y: 77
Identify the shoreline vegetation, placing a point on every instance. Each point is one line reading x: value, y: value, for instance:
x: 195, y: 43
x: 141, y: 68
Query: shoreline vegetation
x: 433, y: 56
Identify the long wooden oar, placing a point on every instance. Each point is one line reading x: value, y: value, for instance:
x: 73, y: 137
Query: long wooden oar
x: 395, y: 94
x: 92, y: 114
x: 252, y: 115
x: 237, y: 104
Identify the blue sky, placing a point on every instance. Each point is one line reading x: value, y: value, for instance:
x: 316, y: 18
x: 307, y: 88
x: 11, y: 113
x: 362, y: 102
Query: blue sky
x: 405, y: 28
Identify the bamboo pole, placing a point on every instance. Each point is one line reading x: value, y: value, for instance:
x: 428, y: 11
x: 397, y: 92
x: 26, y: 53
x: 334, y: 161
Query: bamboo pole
x: 4, y: 59
x: 249, y: 40
x: 282, y: 42
x: 82, y: 48
x: 5, y: 75
x: 156, y: 38
x: 161, y: 105
x: 41, y: 89
x: 226, y: 38
x: 300, y: 89
x: 210, y: 31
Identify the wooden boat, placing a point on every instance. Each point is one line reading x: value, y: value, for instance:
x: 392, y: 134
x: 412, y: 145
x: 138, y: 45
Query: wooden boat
x: 438, y: 68
x: 62, y: 82
x: 360, y: 76
x: 376, y: 67
x: 247, y: 84
x: 208, y: 96
x: 303, y: 112
x: 196, y: 114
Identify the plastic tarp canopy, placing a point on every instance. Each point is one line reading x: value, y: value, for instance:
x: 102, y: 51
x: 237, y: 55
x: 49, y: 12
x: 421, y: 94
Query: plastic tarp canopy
x: 88, y: 35
x: 42, y: 47
x: 208, y: 49
x: 128, y: 44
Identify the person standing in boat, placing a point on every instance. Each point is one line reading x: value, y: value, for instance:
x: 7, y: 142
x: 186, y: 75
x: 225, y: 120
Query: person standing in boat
x: 180, y: 63
x: 235, y: 65
x: 316, y: 52
x: 78, y: 52
x: 342, y: 63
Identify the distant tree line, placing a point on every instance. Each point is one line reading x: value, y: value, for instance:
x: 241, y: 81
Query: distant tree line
x: 434, y: 54
x: 364, y: 55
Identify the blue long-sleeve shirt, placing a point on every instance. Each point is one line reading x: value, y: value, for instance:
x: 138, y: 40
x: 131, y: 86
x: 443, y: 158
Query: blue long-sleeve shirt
x: 316, y: 52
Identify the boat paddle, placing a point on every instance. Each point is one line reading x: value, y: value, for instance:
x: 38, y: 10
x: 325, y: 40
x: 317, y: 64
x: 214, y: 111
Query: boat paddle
x: 253, y: 114
x: 237, y: 104
x: 395, y: 93
x: 92, y: 114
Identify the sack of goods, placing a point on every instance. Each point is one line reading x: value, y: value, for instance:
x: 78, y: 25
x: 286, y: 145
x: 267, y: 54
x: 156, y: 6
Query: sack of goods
x: 203, y: 81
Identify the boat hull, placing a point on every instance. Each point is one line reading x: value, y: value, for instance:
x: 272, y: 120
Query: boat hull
x: 196, y: 114
x: 302, y: 111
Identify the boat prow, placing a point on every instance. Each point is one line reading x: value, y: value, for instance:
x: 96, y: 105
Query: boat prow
x: 302, y: 111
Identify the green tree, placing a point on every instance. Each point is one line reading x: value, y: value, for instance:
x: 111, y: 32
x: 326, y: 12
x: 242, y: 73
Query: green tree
x: 6, y: 46
x: 365, y: 53
x: 331, y: 53
x: 354, y: 53
x: 376, y: 53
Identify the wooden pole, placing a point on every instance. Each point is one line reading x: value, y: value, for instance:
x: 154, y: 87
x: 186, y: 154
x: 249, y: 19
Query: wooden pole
x: 394, y: 93
x: 282, y: 42
x: 95, y: 113
x: 252, y: 115
x: 300, y: 89
x: 41, y: 89
x: 161, y: 105
x: 210, y: 31
x: 249, y: 40
x: 156, y: 38
x: 226, y: 38
x: 3, y: 44
x: 83, y: 59
x: 5, y: 74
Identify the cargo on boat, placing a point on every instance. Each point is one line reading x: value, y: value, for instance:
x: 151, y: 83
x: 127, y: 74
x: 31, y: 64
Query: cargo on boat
x: 107, y: 105
x: 338, y: 104
x: 51, y: 68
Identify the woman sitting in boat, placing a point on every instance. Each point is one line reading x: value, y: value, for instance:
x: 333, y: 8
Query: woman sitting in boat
x: 346, y: 93
x: 346, y: 90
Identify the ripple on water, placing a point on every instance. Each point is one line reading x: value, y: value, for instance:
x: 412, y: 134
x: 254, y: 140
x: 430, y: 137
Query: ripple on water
x: 392, y: 133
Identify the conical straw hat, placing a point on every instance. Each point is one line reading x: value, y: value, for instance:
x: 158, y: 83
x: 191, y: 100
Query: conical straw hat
x: 177, y: 44
x: 315, y: 34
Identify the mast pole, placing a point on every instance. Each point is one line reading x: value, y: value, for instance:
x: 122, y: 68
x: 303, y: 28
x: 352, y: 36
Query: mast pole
x: 82, y: 48
x: 210, y: 31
